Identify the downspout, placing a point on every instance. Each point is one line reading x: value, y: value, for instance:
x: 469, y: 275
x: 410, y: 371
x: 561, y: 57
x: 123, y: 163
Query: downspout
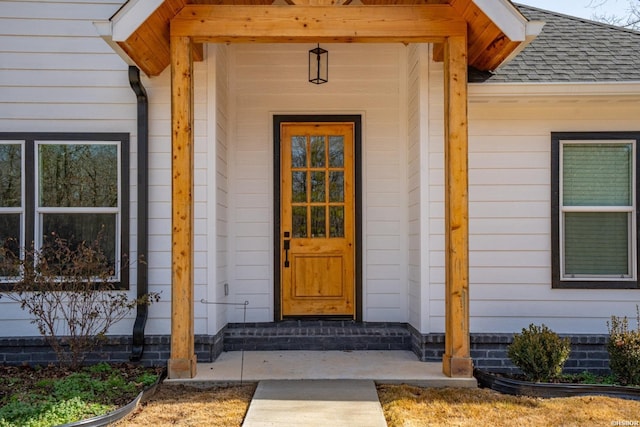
x: 142, y: 310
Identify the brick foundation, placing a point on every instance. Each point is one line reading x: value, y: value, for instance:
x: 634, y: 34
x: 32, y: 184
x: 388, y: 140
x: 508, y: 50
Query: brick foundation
x: 117, y: 349
x: 488, y: 351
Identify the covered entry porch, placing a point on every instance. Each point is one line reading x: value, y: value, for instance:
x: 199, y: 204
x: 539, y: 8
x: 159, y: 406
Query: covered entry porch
x: 454, y: 27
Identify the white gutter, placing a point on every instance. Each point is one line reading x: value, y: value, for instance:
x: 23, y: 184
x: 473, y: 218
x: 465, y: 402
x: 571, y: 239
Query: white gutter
x: 129, y: 18
x: 104, y: 29
x: 532, y: 30
x: 506, y: 16
x: 511, y: 22
x: 554, y: 89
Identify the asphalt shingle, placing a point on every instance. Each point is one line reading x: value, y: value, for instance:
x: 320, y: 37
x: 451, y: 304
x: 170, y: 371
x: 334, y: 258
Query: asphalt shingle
x: 571, y: 49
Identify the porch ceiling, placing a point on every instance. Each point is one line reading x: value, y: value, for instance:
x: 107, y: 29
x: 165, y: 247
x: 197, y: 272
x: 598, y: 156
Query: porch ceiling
x: 488, y: 46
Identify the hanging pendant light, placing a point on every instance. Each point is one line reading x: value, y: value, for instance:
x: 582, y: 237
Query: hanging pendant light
x: 318, y: 65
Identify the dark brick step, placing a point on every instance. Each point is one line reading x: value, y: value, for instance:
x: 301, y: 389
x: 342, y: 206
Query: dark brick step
x: 317, y: 335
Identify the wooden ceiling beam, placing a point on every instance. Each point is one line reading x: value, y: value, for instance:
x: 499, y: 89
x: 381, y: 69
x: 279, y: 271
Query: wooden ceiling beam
x: 304, y: 24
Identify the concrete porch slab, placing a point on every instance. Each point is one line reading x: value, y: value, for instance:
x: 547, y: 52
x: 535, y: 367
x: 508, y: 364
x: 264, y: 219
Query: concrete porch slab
x: 385, y: 366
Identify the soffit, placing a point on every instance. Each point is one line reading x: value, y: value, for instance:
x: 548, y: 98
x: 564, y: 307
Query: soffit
x: 148, y: 45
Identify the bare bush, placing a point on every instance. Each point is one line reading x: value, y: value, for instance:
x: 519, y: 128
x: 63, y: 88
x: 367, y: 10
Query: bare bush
x: 69, y: 290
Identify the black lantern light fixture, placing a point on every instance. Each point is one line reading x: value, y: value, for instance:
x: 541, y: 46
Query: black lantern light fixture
x: 318, y: 65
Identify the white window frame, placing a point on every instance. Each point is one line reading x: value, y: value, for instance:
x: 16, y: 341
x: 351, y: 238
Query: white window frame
x: 630, y: 210
x: 117, y: 210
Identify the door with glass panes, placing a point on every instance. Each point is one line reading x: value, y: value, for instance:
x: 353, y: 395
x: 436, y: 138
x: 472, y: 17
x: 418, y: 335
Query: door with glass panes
x: 317, y: 219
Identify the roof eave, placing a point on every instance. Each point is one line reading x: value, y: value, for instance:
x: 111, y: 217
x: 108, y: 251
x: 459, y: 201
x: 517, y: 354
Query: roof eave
x: 105, y: 31
x: 131, y: 16
x: 532, y: 30
x: 506, y: 16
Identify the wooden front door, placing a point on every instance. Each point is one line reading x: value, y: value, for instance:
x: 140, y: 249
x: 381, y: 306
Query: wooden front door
x: 317, y: 235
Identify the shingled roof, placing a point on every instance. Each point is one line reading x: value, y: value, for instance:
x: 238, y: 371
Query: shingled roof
x: 571, y: 49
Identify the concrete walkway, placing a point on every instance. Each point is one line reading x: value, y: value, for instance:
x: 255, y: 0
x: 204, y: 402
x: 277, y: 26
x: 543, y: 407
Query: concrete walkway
x: 336, y: 403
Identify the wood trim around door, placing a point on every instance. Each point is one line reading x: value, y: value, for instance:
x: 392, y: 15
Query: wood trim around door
x: 357, y: 122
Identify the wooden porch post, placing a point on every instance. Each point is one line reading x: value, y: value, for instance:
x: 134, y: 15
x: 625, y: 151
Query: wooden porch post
x: 182, y: 363
x: 456, y: 361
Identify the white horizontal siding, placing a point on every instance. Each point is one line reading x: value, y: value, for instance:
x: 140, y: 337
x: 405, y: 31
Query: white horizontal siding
x: 509, y: 210
x: 219, y: 157
x: 158, y: 90
x: 58, y: 75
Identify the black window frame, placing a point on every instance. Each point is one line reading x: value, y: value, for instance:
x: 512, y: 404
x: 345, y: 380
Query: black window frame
x: 30, y: 211
x: 556, y: 280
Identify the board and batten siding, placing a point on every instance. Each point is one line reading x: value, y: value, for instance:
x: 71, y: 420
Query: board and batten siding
x: 367, y: 79
x: 58, y: 75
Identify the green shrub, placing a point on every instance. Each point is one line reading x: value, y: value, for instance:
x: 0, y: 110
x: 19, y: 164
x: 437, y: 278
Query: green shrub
x: 539, y: 352
x: 624, y: 350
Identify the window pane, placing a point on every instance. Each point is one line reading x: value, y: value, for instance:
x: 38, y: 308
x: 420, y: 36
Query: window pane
x: 10, y: 241
x: 299, y: 187
x: 298, y: 151
x: 318, y: 193
x: 336, y: 151
x: 10, y: 175
x: 336, y: 186
x: 77, y: 228
x: 596, y: 243
x: 336, y: 221
x: 597, y: 174
x: 299, y: 221
x: 318, y: 221
x: 317, y: 151
x: 78, y: 175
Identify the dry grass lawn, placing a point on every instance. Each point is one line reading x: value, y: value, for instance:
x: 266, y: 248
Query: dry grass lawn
x: 177, y: 405
x: 412, y: 406
x: 403, y: 405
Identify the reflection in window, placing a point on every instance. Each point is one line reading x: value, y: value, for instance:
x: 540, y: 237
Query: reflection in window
x: 336, y: 186
x: 78, y: 175
x: 318, y: 187
x: 10, y: 244
x: 10, y: 175
x: 78, y: 228
x: 336, y: 151
x: 69, y: 185
x: 317, y: 151
x: 299, y: 151
x: 11, y: 208
x: 299, y: 186
x: 318, y: 221
x: 336, y: 221
x: 299, y: 221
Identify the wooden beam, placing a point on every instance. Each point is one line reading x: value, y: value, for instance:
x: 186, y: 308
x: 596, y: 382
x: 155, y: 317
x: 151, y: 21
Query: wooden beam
x: 456, y: 361
x: 182, y: 363
x: 317, y: 2
x: 496, y: 53
x: 304, y: 24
